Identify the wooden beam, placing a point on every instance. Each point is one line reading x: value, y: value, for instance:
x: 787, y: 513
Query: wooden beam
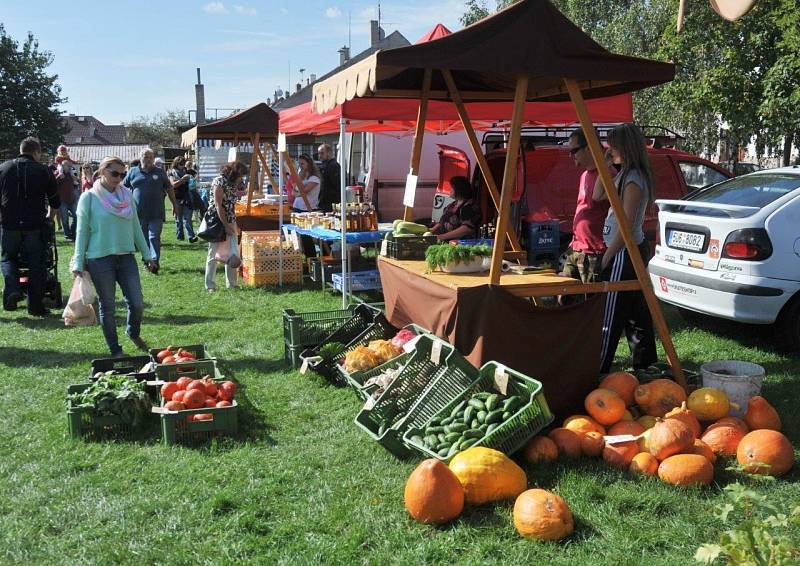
x: 509, y: 176
x: 487, y: 96
x: 419, y: 134
x: 298, y: 182
x: 267, y: 171
x: 625, y: 229
x: 253, y: 176
x: 480, y: 159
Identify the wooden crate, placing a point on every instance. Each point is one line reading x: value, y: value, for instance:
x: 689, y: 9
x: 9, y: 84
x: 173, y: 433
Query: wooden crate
x: 262, y: 209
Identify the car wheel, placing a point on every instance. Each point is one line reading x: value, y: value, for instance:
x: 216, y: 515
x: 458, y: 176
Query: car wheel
x: 788, y: 325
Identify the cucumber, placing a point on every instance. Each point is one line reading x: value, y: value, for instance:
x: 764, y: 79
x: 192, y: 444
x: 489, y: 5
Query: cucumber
x: 435, y: 421
x: 507, y: 415
x: 482, y: 417
x: 473, y: 433
x: 443, y: 452
x: 452, y: 437
x: 483, y: 428
x: 389, y: 236
x: 467, y: 443
x: 469, y: 414
x: 435, y: 429
x: 441, y: 445
x: 417, y: 439
x: 457, y: 408
x: 453, y: 449
x: 474, y: 423
x: 494, y: 416
x: 512, y: 403
x: 431, y: 440
x: 491, y: 428
x: 457, y: 427
x: 442, y: 436
x: 447, y: 420
x: 492, y: 402
x: 460, y: 415
x: 483, y: 395
x: 477, y: 403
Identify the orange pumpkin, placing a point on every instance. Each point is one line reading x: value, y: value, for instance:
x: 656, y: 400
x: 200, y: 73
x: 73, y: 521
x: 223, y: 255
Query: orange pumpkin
x: 626, y: 427
x: 604, y: 406
x: 687, y: 417
x: 686, y: 470
x: 541, y: 449
x: 723, y: 439
x: 761, y: 415
x: 659, y: 396
x: 700, y: 447
x: 766, y: 452
x: 669, y: 437
x: 583, y: 424
x: 592, y: 444
x: 622, y: 383
x: 620, y: 455
x: 731, y: 421
x: 568, y: 442
x: 542, y: 515
x: 643, y: 464
x: 433, y: 494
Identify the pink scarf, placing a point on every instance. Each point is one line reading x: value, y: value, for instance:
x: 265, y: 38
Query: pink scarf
x: 117, y: 203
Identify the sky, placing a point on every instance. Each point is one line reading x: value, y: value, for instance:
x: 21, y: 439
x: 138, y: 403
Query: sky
x: 120, y: 59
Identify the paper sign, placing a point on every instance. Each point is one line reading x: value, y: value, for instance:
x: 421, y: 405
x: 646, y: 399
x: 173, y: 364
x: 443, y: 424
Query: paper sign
x: 369, y: 404
x: 411, y: 344
x: 436, y: 351
x: 621, y: 438
x: 232, y: 154
x: 411, y: 190
x: 281, y: 143
x: 385, y: 248
x: 501, y: 379
x: 304, y: 367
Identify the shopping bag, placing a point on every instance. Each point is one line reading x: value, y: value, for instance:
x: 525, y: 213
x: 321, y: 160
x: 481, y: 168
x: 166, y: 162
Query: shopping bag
x: 80, y: 310
x: 228, y: 253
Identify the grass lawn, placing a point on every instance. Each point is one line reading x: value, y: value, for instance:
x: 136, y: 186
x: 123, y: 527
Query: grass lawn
x: 301, y: 484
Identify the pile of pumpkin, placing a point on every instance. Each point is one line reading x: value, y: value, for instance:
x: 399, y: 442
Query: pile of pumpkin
x: 677, y: 437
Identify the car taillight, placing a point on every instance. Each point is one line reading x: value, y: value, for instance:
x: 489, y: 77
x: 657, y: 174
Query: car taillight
x: 750, y: 244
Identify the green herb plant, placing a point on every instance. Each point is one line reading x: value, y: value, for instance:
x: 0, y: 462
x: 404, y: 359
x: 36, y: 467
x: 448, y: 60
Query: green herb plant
x: 330, y: 352
x: 115, y: 395
x: 440, y: 255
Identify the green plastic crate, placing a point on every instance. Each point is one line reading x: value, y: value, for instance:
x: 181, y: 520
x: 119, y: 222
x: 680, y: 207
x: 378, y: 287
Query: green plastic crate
x: 291, y: 355
x: 199, y: 350
x: 386, y: 421
x: 124, y: 365
x: 84, y: 423
x: 195, y: 370
x: 310, y: 328
x: 177, y: 429
x: 512, y: 434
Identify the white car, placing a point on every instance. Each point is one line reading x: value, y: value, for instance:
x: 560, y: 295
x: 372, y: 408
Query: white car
x: 732, y: 250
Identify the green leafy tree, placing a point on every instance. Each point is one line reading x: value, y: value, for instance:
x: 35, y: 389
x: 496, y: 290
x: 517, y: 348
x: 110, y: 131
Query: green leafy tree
x: 160, y: 130
x: 28, y: 96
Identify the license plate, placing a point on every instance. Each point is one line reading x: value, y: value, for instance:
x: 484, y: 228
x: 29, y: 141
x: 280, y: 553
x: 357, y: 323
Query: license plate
x: 686, y: 240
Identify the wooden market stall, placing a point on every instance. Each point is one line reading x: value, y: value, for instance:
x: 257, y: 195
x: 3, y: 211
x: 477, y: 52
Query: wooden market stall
x: 527, y: 52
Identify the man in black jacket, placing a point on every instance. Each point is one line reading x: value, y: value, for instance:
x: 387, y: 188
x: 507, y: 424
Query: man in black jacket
x: 330, y: 171
x: 26, y: 189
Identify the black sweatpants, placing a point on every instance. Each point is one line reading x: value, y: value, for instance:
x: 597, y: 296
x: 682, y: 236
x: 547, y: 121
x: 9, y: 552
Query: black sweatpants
x: 627, y: 310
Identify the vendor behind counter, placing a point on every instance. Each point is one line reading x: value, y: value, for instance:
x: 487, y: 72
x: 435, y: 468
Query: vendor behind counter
x: 461, y: 218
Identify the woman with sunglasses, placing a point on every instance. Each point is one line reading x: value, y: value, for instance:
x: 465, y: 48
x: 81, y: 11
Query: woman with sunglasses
x: 108, y: 235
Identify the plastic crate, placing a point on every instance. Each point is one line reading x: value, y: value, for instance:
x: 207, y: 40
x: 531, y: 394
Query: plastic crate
x: 84, y: 423
x: 311, y: 328
x: 512, y: 434
x: 128, y: 365
x: 477, y: 242
x: 195, y: 370
x: 358, y: 280
x: 399, y: 405
x: 262, y: 209
x: 543, y: 235
x: 409, y: 247
x: 291, y: 354
x: 292, y: 262
x: 199, y: 350
x: 177, y: 429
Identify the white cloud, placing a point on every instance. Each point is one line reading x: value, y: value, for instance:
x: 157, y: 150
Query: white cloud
x: 245, y: 10
x: 215, y: 8
x: 333, y: 12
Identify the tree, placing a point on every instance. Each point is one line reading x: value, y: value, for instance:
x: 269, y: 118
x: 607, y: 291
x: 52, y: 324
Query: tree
x: 476, y: 10
x: 28, y: 96
x: 158, y: 131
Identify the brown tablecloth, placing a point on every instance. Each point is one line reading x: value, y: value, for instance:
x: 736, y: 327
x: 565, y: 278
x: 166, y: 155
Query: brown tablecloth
x: 559, y: 347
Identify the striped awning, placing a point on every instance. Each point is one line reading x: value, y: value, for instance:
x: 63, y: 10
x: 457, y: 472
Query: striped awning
x: 96, y: 153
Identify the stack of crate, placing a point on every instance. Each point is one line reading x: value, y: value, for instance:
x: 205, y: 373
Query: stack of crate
x: 261, y: 260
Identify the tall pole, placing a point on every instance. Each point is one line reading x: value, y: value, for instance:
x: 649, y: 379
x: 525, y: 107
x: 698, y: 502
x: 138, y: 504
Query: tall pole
x: 280, y: 221
x: 343, y: 211
x: 416, y: 150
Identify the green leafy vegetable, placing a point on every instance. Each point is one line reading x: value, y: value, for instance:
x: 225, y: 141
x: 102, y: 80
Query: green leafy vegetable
x: 114, y: 395
x: 440, y: 255
x: 330, y: 352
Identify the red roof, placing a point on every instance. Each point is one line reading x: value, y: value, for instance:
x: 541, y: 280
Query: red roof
x: 438, y: 31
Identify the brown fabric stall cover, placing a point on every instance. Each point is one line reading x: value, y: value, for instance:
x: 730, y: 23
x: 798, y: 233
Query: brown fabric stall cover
x: 530, y: 37
x: 258, y: 119
x: 559, y: 347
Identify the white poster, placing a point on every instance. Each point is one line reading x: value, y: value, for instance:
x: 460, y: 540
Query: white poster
x: 232, y: 154
x: 281, y: 143
x: 411, y: 190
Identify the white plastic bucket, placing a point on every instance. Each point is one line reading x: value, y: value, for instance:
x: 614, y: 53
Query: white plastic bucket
x: 739, y: 380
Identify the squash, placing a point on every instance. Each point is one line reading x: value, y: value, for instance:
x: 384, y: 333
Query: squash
x: 669, y: 437
x: 487, y: 475
x: 626, y: 427
x: 659, y: 396
x: 733, y: 421
x: 604, y: 406
x: 592, y: 444
x: 686, y: 416
x: 627, y: 416
x: 644, y: 440
x: 541, y: 449
x: 647, y: 421
x: 568, y: 442
x: 620, y: 455
x: 710, y: 403
x: 766, y: 452
x: 700, y: 447
x: 433, y: 494
x: 542, y: 515
x: 686, y: 470
x: 723, y: 439
x: 643, y: 464
x: 622, y: 383
x: 583, y: 424
x: 761, y: 415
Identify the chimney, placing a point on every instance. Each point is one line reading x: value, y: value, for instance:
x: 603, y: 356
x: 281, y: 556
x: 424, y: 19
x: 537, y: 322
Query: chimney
x: 200, y: 98
x: 344, y: 55
x: 376, y: 33
x: 298, y: 87
x: 313, y: 78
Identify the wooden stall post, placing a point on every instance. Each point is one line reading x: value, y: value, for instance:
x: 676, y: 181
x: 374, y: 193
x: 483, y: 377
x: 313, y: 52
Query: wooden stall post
x: 488, y: 178
x: 265, y: 166
x: 625, y: 229
x: 416, y: 151
x: 509, y: 176
x: 253, y: 176
x: 287, y: 159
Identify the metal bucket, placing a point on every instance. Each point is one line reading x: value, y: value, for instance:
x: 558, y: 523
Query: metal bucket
x: 739, y: 380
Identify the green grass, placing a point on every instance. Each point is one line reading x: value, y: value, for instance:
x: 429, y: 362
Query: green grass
x: 301, y: 484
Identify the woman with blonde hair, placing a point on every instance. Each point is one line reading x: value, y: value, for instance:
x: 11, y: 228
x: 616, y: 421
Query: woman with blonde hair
x: 108, y: 235
x: 627, y: 310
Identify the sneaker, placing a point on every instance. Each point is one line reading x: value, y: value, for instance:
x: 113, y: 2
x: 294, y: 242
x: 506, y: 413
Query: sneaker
x: 119, y: 354
x: 211, y: 290
x: 193, y: 239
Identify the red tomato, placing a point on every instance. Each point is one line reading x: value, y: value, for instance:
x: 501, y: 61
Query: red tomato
x: 211, y: 388
x: 197, y: 384
x: 194, y: 399
x: 227, y: 390
x: 186, y: 354
x: 178, y: 395
x: 168, y: 390
x: 168, y: 360
x: 223, y: 404
x: 211, y: 402
x: 163, y: 354
x: 204, y: 417
x: 183, y: 382
x: 174, y: 406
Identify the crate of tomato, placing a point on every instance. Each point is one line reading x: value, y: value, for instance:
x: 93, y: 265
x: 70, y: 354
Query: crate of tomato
x: 177, y: 354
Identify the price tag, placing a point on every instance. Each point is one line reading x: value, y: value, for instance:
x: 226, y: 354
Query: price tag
x: 621, y: 438
x: 501, y: 379
x: 411, y: 344
x: 385, y: 247
x: 281, y: 143
x: 304, y: 366
x: 411, y: 190
x: 308, y: 361
x: 369, y: 404
x: 436, y: 351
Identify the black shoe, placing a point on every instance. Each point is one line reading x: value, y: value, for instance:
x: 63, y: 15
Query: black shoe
x: 181, y: 238
x: 10, y: 303
x: 40, y: 312
x: 193, y: 239
x: 139, y: 343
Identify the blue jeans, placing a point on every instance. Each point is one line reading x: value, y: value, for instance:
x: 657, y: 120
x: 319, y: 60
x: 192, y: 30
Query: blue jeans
x: 106, y: 272
x: 184, y: 217
x: 152, y: 233
x: 69, y: 217
x: 12, y: 244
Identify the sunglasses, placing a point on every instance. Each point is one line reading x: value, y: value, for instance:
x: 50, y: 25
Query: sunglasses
x: 116, y: 174
x: 575, y: 150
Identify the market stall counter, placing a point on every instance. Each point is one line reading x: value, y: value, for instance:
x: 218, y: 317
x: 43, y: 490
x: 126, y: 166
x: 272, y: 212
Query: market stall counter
x: 559, y: 347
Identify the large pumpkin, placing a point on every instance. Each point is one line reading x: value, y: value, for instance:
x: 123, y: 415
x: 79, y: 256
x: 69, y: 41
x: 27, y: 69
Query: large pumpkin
x: 710, y: 403
x: 643, y: 464
x: 604, y: 406
x: 760, y: 415
x: 723, y: 439
x: 583, y: 424
x: 733, y: 421
x: 568, y: 442
x: 700, y: 447
x: 669, y: 437
x: 686, y: 470
x: 541, y: 449
x: 622, y: 383
x: 592, y: 444
x: 542, y: 515
x: 686, y: 416
x: 487, y: 475
x: 659, y: 396
x: 620, y: 455
x: 626, y: 427
x: 433, y: 493
x: 765, y: 452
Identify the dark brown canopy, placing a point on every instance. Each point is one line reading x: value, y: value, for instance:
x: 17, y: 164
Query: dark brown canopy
x: 529, y: 38
x: 258, y: 119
